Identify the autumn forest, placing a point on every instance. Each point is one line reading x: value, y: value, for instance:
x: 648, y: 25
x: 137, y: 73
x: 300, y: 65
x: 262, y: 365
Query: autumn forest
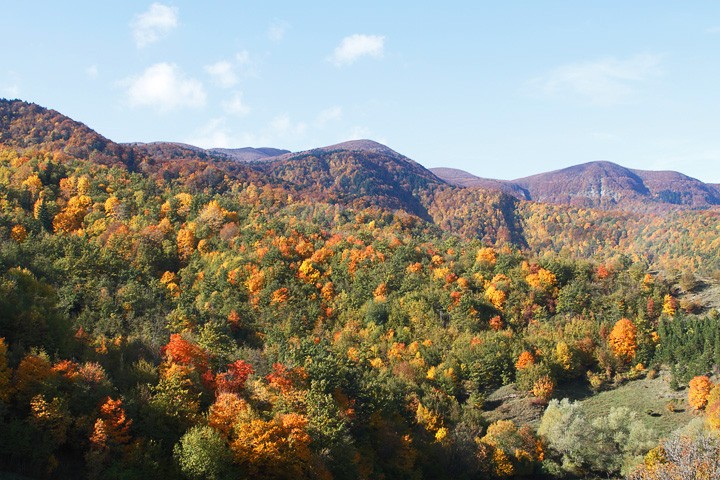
x: 341, y: 313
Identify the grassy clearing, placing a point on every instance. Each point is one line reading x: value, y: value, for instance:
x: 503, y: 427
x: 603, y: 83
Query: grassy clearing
x: 507, y: 403
x: 649, y: 398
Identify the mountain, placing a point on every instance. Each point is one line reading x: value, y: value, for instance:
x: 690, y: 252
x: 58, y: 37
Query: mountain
x: 160, y: 151
x: 603, y: 185
x: 594, y: 184
x: 361, y: 173
x: 679, y: 189
x: 461, y: 178
x: 26, y: 125
x: 249, y: 154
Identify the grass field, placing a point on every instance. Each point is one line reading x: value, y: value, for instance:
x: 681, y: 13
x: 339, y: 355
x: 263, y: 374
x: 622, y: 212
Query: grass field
x: 649, y: 398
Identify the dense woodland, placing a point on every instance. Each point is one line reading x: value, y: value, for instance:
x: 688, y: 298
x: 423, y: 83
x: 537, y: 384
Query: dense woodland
x: 169, y: 313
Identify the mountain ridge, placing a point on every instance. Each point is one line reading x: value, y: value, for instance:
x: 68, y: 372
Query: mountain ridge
x: 598, y: 184
x: 337, y: 168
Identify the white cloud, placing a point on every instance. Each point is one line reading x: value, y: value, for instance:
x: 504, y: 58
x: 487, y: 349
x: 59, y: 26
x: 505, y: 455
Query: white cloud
x: 283, y: 126
x: 356, y: 46
x: 153, y: 24
x: 164, y: 87
x: 214, y: 134
x: 242, y: 58
x: 601, y: 82
x: 92, y: 71
x: 223, y: 73
x: 328, y: 115
x: 276, y: 31
x: 235, y: 105
x: 281, y: 131
x: 217, y: 134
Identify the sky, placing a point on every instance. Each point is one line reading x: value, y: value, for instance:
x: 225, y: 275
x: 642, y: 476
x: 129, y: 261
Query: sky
x: 501, y: 89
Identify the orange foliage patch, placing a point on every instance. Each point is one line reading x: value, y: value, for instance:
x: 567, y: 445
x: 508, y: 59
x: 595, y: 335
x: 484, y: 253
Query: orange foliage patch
x: 699, y: 391
x: 623, y: 339
x: 524, y: 360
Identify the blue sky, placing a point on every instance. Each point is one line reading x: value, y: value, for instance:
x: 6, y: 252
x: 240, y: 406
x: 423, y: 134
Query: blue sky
x: 500, y: 89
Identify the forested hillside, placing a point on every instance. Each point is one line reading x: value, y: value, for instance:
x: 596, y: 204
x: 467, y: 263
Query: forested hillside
x: 171, y: 312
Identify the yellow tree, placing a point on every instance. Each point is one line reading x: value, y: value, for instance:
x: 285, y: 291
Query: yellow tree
x: 670, y: 305
x: 71, y: 218
x: 486, y: 256
x: 496, y: 297
x: 31, y: 372
x: 699, y: 391
x: 112, y: 207
x: 212, y: 216
x: 278, y: 448
x: 712, y: 410
x: 543, y: 387
x: 18, y: 233
x: 514, y: 450
x: 185, y: 243
x: 33, y: 184
x: 228, y: 410
x: 564, y: 356
x: 623, y: 339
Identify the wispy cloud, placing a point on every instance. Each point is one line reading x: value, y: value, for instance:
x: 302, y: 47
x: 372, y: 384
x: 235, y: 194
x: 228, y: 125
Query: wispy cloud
x: 223, y: 73
x: 328, y: 115
x: 283, y: 126
x: 226, y: 73
x: 92, y: 71
x: 153, y: 24
x: 235, y: 105
x: 606, y: 81
x: 164, y: 87
x: 242, y: 58
x: 280, y: 131
x: 277, y: 30
x: 357, y: 46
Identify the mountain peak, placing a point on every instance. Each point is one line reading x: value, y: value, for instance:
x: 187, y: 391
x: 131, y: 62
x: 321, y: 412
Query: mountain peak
x: 363, y: 145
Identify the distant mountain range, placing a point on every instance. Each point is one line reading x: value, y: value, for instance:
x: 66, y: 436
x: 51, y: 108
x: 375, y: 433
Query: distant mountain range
x: 597, y: 185
x: 359, y: 170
